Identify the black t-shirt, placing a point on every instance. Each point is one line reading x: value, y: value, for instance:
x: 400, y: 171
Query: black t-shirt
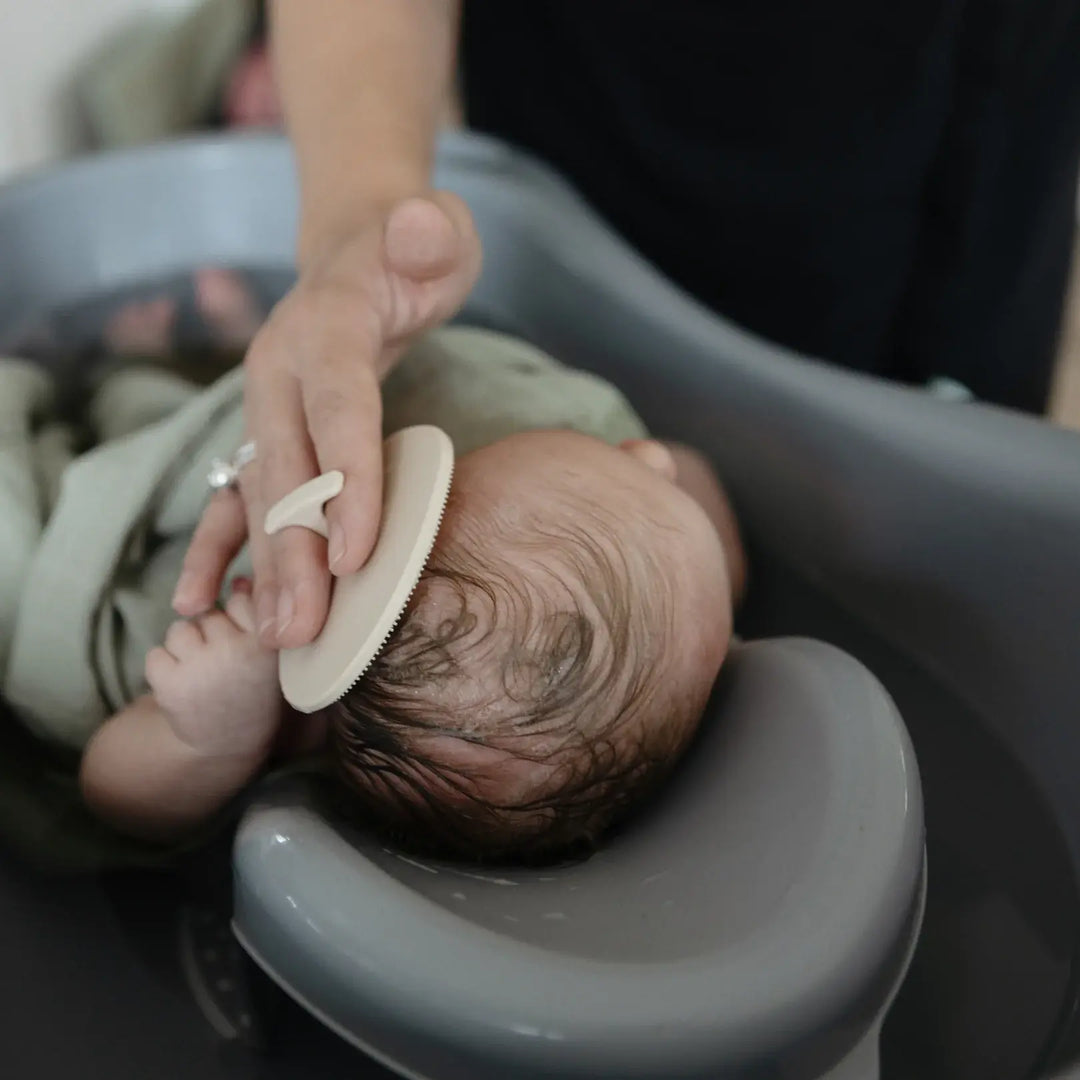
x: 810, y: 168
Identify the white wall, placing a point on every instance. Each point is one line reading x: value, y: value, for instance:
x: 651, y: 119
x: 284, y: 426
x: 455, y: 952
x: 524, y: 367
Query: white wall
x: 41, y: 42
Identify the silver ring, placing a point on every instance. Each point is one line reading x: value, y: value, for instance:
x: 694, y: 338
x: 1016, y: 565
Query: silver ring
x: 224, y: 474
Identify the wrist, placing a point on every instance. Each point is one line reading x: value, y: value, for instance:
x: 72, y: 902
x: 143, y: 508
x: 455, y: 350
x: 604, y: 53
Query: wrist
x: 330, y: 220
x: 237, y: 750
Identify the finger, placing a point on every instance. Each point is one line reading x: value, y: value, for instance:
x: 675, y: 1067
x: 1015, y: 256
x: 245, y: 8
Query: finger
x: 240, y: 607
x: 428, y: 238
x: 292, y: 583
x: 218, y: 537
x: 433, y: 244
x: 183, y: 638
x: 160, y: 664
x: 242, y: 584
x: 304, y: 590
x: 343, y: 405
x: 215, y: 627
x: 264, y: 581
x: 420, y: 239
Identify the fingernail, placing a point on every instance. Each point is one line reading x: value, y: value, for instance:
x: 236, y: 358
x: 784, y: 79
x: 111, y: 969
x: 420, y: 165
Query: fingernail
x: 336, y: 551
x: 185, y: 587
x: 284, y: 611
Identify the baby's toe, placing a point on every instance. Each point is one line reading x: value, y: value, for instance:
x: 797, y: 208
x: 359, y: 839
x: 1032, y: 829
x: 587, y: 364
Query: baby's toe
x: 141, y: 327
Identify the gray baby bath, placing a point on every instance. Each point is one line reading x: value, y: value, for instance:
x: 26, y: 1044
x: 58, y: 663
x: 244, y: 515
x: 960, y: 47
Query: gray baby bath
x: 910, y: 557
x: 759, y: 917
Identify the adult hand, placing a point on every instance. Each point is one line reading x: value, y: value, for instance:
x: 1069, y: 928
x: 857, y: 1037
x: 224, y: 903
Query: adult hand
x: 312, y: 404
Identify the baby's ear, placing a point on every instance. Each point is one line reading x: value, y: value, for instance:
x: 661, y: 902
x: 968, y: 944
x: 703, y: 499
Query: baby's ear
x: 652, y: 454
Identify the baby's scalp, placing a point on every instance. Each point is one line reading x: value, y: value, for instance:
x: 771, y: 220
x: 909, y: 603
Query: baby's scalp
x: 536, y: 687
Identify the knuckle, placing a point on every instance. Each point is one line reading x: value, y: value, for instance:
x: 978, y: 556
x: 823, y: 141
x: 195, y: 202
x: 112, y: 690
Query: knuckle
x: 338, y: 306
x: 284, y: 459
x: 325, y: 404
x: 299, y: 561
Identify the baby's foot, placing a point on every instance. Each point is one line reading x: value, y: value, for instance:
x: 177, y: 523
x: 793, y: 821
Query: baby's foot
x: 141, y: 328
x: 251, y: 96
x: 227, y: 306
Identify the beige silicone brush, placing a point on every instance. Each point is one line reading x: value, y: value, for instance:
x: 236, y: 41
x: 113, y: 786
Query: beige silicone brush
x: 418, y: 464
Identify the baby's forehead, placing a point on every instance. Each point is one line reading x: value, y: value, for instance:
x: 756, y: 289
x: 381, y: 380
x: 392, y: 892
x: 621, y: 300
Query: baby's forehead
x: 550, y: 456
x: 551, y: 545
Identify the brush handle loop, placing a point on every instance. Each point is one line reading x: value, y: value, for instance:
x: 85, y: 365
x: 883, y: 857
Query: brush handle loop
x: 304, y: 506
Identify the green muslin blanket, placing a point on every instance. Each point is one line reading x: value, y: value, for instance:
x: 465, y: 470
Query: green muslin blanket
x: 91, y: 542
x: 161, y: 74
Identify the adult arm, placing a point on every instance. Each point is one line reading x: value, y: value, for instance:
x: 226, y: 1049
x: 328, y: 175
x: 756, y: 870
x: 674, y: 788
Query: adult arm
x: 380, y: 256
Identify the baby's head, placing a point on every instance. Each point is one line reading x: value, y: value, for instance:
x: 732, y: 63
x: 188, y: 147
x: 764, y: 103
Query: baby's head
x: 554, y: 660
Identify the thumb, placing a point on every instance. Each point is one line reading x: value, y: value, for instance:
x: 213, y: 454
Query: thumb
x: 432, y: 237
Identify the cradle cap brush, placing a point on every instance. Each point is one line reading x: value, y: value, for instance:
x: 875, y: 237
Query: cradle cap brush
x: 418, y: 465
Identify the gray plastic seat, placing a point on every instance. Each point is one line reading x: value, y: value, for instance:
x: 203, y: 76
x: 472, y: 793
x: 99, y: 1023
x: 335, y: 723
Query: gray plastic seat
x: 937, y: 542
x: 754, y: 923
